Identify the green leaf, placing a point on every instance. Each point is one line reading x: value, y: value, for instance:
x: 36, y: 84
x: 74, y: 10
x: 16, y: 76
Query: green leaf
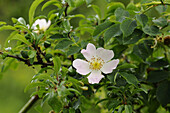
x: 151, y: 30
x: 113, y: 31
x: 72, y: 50
x: 74, y: 90
x: 163, y: 92
x: 34, y: 85
x: 121, y: 14
x: 20, y: 38
x: 105, y: 99
x: 55, y: 103
x: 88, y: 1
x: 161, y: 22
x: 126, y: 66
x: 142, y: 19
x: 63, y: 44
x: 43, y: 76
x: 67, y: 26
x: 51, y: 2
x: 143, y: 49
x: 57, y: 64
x: 57, y: 36
x: 71, y: 3
x: 79, y: 3
x: 31, y: 54
x: 128, y: 109
x: 96, y: 9
x: 161, y: 8
x: 131, y: 6
x: 32, y: 10
x: 158, y: 75
x: 75, y: 16
x: 159, y: 63
x: 7, y: 27
x: 113, y: 104
x: 130, y: 78
x: 64, y: 71
x: 14, y: 20
x: 153, y: 105
x: 48, y: 57
x: 77, y: 104
x: 2, y: 23
x: 128, y: 26
x: 134, y: 37
x: 118, y: 50
x: 101, y: 28
x: 24, y: 54
x: 111, y: 7
x: 10, y: 36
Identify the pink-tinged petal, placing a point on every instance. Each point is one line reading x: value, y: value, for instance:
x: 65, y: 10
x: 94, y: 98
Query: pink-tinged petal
x: 95, y: 77
x: 89, y: 52
x: 104, y: 54
x: 109, y: 66
x: 81, y: 66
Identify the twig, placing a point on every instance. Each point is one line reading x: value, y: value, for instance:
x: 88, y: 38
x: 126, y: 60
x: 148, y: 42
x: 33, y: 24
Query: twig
x: 65, y: 11
x: 18, y: 58
x: 44, y: 64
x: 29, y: 104
x: 27, y: 62
x: 153, y: 5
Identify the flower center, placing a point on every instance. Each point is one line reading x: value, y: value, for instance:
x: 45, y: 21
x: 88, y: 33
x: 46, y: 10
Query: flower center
x: 96, y: 63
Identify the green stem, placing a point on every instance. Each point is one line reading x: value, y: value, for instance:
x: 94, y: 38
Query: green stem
x: 153, y: 5
x: 29, y: 104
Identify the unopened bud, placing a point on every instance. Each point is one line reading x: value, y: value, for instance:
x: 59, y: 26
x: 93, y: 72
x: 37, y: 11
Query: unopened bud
x: 84, y: 88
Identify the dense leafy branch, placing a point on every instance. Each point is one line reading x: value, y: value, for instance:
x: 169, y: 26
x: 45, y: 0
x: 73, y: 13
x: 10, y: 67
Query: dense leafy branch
x: 119, y: 58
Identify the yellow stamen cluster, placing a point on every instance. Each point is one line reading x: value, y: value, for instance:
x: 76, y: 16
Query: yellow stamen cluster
x: 96, y: 63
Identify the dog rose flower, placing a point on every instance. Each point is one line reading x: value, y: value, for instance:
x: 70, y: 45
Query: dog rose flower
x: 41, y: 25
x: 98, y: 61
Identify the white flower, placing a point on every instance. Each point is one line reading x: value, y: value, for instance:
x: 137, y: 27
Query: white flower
x: 41, y: 24
x: 97, y: 61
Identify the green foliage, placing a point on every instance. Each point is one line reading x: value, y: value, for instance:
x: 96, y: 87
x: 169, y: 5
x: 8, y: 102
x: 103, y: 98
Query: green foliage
x: 163, y: 92
x: 63, y: 44
x: 32, y: 10
x: 113, y: 31
x: 128, y: 27
x: 101, y: 28
x: 113, y: 6
x: 142, y: 19
x: 140, y: 83
x: 55, y: 103
x: 57, y: 64
x: 131, y: 79
x: 121, y: 14
x: 151, y: 30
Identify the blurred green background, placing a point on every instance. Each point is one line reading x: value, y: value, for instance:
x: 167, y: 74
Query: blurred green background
x: 13, y: 82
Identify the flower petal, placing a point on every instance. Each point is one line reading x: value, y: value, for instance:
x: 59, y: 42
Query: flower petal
x: 42, y: 24
x: 48, y: 24
x: 89, y: 52
x: 95, y: 77
x: 104, y: 54
x: 109, y: 66
x: 81, y: 66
